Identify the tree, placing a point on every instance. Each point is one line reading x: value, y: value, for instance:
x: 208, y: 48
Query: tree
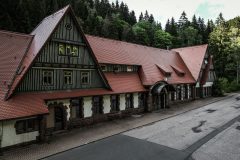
x: 194, y: 23
x: 162, y: 39
x: 167, y: 26
x: 140, y: 17
x: 183, y: 20
x: 132, y: 18
x: 146, y: 16
x: 220, y: 20
x: 151, y: 19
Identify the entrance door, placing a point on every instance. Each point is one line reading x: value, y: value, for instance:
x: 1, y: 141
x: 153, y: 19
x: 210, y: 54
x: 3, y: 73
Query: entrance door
x: 163, y: 101
x: 158, y: 102
x: 59, y: 118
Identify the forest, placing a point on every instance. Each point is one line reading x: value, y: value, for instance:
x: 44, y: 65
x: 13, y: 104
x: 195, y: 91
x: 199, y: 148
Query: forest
x: 117, y: 21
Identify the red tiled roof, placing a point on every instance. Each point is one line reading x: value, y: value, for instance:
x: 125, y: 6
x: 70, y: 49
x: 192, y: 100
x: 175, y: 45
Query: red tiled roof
x: 13, y: 47
x: 30, y: 104
x: 118, y: 52
x: 193, y: 58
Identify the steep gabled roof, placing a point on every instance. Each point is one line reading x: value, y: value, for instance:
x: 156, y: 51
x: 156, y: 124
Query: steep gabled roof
x: 193, y: 57
x: 13, y: 47
x: 41, y: 35
x: 149, y: 58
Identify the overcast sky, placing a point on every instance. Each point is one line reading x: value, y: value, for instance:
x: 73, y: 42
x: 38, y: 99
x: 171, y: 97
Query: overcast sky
x: 164, y: 9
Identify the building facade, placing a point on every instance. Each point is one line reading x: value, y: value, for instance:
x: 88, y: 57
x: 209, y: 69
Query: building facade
x: 58, y: 78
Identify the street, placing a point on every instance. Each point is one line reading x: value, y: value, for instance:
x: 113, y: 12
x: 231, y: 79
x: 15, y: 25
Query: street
x: 211, y: 132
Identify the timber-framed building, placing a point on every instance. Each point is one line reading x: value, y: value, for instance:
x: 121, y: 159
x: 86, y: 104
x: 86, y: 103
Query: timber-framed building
x: 56, y: 78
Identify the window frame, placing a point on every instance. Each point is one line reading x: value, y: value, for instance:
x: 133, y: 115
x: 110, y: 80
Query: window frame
x: 72, y: 51
x: 78, y: 108
x: 63, y: 49
x: 68, y: 46
x: 26, y: 124
x: 116, y: 100
x: 71, y: 76
x: 129, y: 101
x: 88, y: 75
x: 43, y: 77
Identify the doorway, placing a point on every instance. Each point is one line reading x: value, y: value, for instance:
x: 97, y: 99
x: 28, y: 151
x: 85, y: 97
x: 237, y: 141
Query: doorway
x: 59, y: 118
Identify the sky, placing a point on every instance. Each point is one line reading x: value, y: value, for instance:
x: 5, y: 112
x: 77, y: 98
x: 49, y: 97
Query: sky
x: 164, y: 9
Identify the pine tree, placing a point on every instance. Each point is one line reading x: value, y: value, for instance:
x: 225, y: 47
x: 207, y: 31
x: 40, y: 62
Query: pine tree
x: 173, y: 27
x: 202, y: 28
x: 132, y: 18
x: 140, y: 17
x: 194, y: 23
x: 151, y: 19
x: 220, y: 21
x: 183, y: 20
x: 146, y: 16
x: 167, y: 26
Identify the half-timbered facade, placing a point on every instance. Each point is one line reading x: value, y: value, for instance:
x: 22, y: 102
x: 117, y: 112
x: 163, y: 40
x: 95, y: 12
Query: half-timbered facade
x: 57, y: 78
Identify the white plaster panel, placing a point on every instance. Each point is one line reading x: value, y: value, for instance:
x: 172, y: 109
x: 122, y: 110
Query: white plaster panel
x: 135, y: 100
x: 122, y: 102
x: 87, y: 106
x: 106, y: 104
x: 11, y: 138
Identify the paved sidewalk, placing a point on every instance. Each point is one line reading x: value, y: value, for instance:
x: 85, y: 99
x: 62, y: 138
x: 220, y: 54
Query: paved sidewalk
x: 81, y: 136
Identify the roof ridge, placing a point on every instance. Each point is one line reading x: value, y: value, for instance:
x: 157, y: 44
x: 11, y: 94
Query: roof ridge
x: 190, y: 46
x: 15, y: 33
x: 50, y: 16
x: 128, y: 43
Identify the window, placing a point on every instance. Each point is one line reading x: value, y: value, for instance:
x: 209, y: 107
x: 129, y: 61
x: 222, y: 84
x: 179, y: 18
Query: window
x: 114, y: 103
x: 141, y: 99
x: 61, y: 49
x: 68, y: 77
x: 75, y: 51
x: 47, y: 77
x: 68, y: 50
x: 28, y: 125
x: 129, y: 101
x: 129, y: 68
x: 104, y: 67
x: 97, y: 105
x: 85, y: 77
x: 116, y: 68
x: 77, y: 109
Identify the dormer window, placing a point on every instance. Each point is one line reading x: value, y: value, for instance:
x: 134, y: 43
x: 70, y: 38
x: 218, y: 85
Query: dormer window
x: 129, y: 68
x: 205, y: 61
x: 116, y: 68
x: 104, y: 67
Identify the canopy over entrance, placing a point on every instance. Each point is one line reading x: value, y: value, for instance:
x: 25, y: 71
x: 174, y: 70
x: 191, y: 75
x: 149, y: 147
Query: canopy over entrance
x: 158, y: 88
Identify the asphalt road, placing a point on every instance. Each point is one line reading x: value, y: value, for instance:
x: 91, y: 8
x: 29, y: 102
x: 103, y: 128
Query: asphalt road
x: 211, y: 132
